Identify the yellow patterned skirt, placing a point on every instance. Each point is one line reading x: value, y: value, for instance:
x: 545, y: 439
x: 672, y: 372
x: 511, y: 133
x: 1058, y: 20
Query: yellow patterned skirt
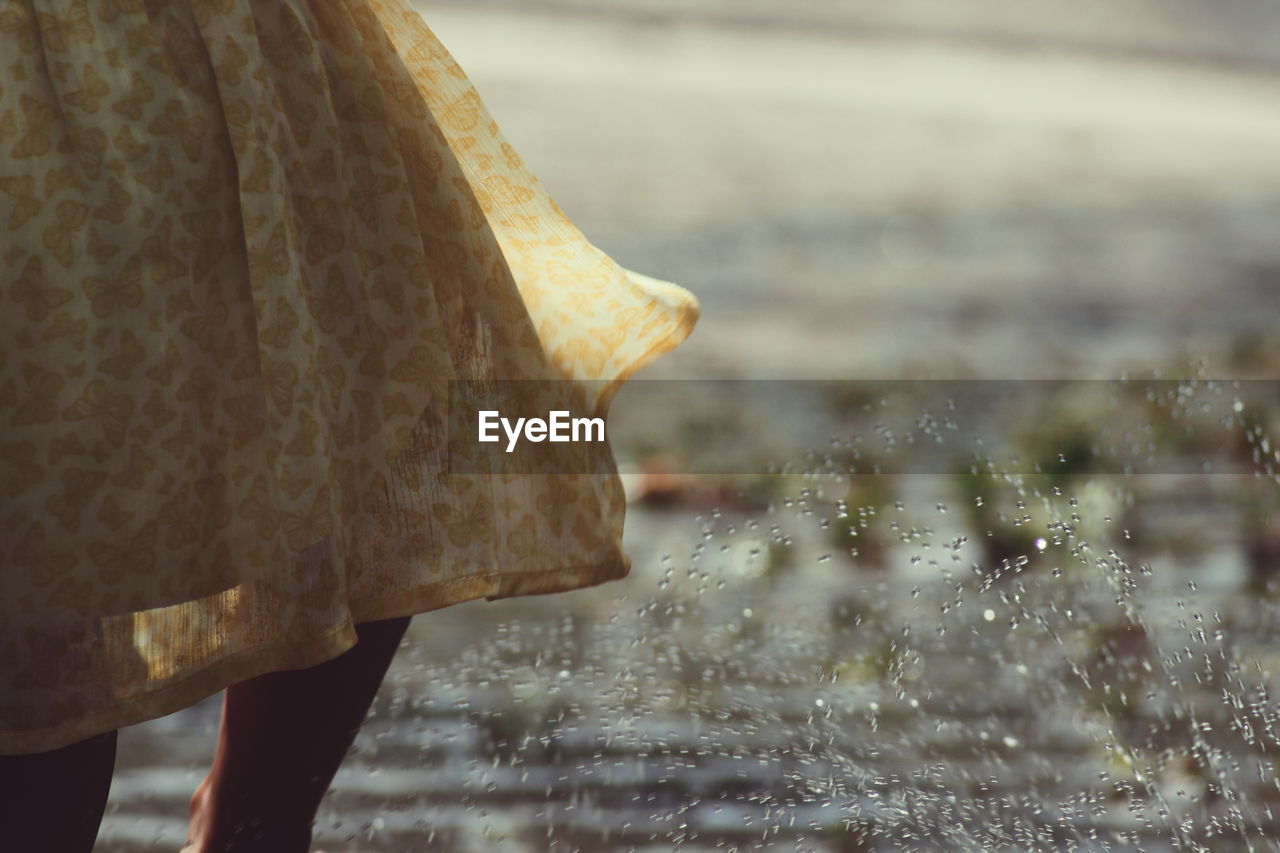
x: 248, y: 245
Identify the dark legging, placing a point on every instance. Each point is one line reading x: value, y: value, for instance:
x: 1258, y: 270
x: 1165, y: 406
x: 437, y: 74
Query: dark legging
x: 283, y: 736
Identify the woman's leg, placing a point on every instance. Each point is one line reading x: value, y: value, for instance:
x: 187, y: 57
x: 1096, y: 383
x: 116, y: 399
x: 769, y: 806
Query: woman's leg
x: 55, y: 800
x: 283, y: 736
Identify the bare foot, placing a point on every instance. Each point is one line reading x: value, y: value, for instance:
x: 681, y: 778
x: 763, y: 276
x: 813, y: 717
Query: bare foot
x: 198, y: 820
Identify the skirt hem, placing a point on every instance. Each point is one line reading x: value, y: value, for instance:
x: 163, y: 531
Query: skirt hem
x: 294, y: 654
x: 690, y: 312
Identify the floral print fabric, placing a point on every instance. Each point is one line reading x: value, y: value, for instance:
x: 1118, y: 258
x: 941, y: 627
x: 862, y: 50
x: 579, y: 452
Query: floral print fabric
x: 247, y: 246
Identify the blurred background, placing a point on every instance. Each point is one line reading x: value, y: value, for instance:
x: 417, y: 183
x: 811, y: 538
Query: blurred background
x: 941, y: 187
x: 1030, y: 648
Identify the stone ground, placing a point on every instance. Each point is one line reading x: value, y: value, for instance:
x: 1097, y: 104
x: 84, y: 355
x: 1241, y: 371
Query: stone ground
x: 856, y: 191
x: 740, y: 694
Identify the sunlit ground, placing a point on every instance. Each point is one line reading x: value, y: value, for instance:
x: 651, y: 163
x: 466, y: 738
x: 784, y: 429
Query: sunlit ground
x: 1024, y: 646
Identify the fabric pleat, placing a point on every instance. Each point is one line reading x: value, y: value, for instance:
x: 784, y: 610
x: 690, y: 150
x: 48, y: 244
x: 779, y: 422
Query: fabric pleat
x: 249, y: 250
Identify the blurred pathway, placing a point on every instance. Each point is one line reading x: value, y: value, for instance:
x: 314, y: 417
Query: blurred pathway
x: 838, y: 196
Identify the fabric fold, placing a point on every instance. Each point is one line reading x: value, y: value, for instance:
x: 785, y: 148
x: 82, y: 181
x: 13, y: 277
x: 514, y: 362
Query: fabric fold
x: 249, y: 247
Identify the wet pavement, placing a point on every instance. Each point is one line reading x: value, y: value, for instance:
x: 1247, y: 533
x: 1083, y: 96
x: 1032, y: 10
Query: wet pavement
x: 750, y: 688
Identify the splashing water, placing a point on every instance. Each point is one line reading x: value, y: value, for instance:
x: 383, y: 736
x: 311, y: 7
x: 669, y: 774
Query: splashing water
x: 1021, y: 653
